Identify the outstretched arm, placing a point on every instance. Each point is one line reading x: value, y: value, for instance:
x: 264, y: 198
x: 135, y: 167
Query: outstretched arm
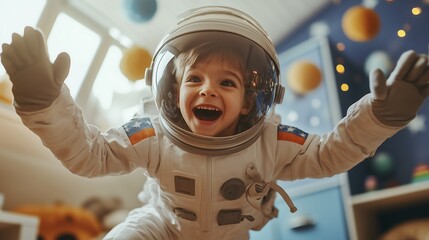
x: 390, y: 106
x: 36, y: 81
x: 45, y: 106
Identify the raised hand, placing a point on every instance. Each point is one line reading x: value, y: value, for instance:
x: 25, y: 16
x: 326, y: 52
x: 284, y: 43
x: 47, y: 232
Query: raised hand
x: 36, y: 81
x: 395, y: 101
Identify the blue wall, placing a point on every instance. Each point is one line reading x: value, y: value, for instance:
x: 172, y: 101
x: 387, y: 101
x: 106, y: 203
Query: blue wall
x: 406, y: 148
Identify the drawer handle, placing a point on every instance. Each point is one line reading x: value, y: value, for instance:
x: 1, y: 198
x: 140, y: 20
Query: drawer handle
x: 301, y: 223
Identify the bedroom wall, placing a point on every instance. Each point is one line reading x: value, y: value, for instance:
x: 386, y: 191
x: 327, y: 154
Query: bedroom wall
x: 407, y: 148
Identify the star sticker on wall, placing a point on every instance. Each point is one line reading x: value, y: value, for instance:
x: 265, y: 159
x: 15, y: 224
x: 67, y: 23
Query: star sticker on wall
x: 417, y: 124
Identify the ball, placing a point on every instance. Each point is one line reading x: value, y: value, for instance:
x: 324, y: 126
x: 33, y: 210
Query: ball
x: 303, y: 76
x: 371, y: 183
x: 378, y: 59
x: 382, y: 164
x: 134, y: 62
x: 360, y: 24
x: 140, y: 10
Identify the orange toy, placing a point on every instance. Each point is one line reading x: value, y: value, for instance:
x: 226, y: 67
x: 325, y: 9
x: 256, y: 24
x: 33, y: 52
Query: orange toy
x: 61, y: 221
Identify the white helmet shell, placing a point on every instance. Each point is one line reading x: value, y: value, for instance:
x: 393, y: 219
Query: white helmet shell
x: 234, y: 32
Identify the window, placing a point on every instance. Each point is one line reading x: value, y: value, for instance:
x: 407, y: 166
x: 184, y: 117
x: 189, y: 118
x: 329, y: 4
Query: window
x: 15, y: 15
x: 95, y: 80
x: 81, y: 43
x: 110, y: 79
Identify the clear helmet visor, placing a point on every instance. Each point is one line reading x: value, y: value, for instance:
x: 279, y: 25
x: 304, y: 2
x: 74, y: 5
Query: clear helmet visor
x: 213, y: 83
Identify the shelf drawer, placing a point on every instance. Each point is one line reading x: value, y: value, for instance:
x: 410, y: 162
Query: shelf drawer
x: 323, y: 208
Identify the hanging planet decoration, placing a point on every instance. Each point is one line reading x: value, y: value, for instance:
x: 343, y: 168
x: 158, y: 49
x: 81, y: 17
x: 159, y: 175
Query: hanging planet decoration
x: 379, y: 59
x: 140, y: 10
x: 303, y: 76
x: 6, y: 95
x: 382, y: 164
x: 134, y: 62
x: 360, y: 24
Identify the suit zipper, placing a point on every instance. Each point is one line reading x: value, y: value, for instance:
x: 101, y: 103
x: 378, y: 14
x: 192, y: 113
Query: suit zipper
x: 206, y: 213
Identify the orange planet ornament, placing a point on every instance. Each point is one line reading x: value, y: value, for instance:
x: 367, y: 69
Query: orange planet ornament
x: 360, y: 23
x: 134, y: 62
x: 303, y: 76
x: 6, y: 95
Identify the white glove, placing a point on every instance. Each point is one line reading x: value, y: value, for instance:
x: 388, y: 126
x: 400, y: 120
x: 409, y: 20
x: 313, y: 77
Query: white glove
x: 36, y: 81
x: 395, y: 101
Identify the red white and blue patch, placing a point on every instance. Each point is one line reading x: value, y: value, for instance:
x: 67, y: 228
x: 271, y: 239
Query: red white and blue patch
x: 138, y: 129
x: 291, y: 134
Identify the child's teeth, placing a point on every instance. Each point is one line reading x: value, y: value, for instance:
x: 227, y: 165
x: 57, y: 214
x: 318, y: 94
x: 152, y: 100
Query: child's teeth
x: 208, y: 108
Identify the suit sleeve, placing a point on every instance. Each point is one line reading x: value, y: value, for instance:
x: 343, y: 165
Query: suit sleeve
x: 355, y: 138
x: 81, y: 147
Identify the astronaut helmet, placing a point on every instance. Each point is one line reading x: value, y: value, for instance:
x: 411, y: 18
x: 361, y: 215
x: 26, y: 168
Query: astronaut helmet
x: 222, y: 57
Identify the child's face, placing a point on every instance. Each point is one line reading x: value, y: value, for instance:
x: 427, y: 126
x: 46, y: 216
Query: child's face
x: 211, y: 97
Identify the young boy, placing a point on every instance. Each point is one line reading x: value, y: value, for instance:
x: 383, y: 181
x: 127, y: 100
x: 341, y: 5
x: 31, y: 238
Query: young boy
x: 212, y: 92
x: 214, y: 77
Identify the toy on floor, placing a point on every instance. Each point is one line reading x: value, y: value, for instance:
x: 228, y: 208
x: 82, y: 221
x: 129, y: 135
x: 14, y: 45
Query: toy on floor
x: 420, y: 173
x: 417, y: 229
x: 108, y: 210
x: 62, y: 221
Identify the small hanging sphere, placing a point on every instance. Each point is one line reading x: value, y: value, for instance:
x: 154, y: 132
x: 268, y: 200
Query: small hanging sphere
x: 140, y: 10
x: 134, y: 62
x: 303, y: 77
x: 361, y: 24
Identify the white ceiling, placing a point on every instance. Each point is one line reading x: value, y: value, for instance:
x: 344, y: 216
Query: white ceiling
x: 278, y: 17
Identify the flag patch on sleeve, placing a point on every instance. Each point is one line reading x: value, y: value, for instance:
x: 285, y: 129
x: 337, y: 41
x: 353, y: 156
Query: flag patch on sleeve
x: 291, y: 134
x: 138, y: 129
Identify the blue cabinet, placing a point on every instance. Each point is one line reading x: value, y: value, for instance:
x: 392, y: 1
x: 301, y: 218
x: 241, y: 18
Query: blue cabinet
x: 320, y: 215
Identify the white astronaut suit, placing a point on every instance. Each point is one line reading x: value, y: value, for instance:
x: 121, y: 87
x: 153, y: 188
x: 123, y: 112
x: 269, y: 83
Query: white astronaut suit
x: 220, y: 186
x: 211, y: 197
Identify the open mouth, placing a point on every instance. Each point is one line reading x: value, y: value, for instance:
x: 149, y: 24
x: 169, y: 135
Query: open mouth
x: 205, y: 113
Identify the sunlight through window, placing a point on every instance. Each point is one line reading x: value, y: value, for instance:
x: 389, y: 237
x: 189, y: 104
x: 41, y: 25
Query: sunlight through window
x: 12, y: 20
x: 110, y: 78
x: 81, y: 43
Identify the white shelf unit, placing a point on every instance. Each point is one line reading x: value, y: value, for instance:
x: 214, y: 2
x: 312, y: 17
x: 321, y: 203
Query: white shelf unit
x: 368, y: 205
x: 15, y: 226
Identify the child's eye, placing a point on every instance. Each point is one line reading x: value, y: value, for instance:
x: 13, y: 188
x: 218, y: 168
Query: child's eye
x: 228, y: 83
x: 193, y: 79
